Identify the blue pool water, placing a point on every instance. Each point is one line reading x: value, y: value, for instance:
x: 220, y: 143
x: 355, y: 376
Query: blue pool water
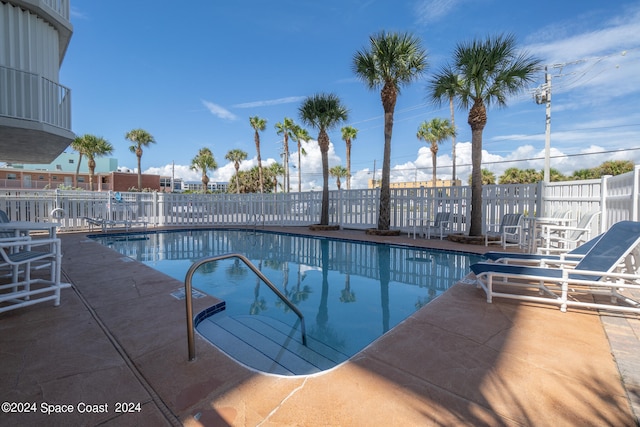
x: 350, y: 293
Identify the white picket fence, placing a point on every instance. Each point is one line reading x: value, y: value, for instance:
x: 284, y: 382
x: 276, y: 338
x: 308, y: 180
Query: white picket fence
x: 616, y: 197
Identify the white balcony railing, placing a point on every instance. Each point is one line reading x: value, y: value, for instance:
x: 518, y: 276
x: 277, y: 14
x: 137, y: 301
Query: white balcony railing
x: 28, y: 96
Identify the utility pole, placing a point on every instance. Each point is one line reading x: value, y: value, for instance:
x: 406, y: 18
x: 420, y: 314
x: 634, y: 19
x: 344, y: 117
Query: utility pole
x: 543, y: 96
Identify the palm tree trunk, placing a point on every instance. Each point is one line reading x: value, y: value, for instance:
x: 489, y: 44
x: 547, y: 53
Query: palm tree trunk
x: 323, y: 142
x: 434, y: 160
x: 348, y: 141
x: 477, y: 120
x: 78, y: 169
x: 299, y: 167
x: 389, y: 96
x: 453, y: 138
x: 139, y: 155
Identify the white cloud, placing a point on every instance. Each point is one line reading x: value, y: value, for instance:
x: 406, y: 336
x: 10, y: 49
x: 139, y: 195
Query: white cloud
x: 219, y: 111
x: 270, y: 102
x: 429, y: 11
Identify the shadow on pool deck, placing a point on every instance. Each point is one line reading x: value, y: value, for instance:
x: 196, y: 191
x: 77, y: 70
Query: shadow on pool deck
x: 119, y: 338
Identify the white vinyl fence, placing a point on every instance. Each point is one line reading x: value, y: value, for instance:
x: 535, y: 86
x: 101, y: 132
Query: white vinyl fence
x: 616, y: 197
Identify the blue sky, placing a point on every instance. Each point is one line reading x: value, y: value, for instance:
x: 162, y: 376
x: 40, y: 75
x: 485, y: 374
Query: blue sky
x: 193, y: 73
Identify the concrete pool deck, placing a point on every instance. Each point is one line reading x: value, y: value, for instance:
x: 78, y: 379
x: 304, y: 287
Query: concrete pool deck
x: 117, y: 345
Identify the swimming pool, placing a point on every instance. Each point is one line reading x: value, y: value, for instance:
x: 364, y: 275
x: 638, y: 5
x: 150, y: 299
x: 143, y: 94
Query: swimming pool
x: 350, y: 293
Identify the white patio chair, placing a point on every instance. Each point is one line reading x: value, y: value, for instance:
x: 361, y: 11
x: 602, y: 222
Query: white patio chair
x: 508, y: 233
x: 440, y: 225
x: 20, y: 253
x: 560, y: 238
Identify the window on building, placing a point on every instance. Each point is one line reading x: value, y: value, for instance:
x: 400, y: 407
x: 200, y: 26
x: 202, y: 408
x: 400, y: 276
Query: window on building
x: 81, y: 179
x: 58, y: 167
x: 55, y: 178
x: 70, y: 161
x: 40, y: 177
x: 12, y: 176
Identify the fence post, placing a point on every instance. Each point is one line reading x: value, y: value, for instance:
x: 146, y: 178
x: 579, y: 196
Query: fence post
x: 634, y: 191
x: 604, y: 220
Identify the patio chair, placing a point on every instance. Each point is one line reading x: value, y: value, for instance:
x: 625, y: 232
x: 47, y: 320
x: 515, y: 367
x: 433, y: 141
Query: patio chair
x: 20, y: 253
x: 602, y: 271
x: 571, y: 257
x: 559, y: 238
x: 440, y: 225
x: 508, y: 233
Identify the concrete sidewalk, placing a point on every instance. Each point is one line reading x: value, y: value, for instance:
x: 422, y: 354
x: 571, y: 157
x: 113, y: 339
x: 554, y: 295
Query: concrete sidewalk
x: 117, y: 346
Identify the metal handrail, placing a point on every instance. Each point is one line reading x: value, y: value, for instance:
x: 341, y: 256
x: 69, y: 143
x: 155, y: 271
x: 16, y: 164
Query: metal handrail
x: 189, y: 300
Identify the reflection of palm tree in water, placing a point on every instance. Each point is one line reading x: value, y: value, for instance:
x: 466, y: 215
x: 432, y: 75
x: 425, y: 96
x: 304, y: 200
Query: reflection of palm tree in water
x: 323, y: 331
x: 259, y: 304
x: 346, y: 295
x: 297, y: 294
x: 422, y: 301
x: 237, y: 270
x: 384, y: 265
x: 323, y: 310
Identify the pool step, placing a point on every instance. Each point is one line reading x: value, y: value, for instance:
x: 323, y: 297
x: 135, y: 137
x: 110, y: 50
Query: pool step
x: 268, y: 345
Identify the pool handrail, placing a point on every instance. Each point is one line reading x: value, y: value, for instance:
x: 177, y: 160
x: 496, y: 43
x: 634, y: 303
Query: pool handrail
x: 189, y: 300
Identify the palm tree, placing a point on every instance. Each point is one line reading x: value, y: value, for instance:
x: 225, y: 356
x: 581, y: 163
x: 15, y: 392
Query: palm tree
x: 323, y: 112
x: 435, y: 131
x: 276, y: 169
x: 77, y: 145
x: 140, y: 138
x: 348, y: 135
x: 91, y: 146
x: 258, y: 124
x: 447, y: 84
x: 236, y: 156
x: 204, y: 161
x: 300, y: 134
x: 488, y: 177
x: 489, y: 71
x: 286, y: 129
x: 393, y: 60
x: 338, y: 172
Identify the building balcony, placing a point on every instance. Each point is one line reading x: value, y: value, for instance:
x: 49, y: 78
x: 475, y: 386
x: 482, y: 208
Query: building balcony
x: 35, y: 117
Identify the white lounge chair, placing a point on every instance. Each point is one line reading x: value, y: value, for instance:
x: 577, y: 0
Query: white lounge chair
x: 571, y: 257
x: 604, y: 270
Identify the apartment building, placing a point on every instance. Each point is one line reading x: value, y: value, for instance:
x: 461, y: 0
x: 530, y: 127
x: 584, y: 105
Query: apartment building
x: 35, y: 109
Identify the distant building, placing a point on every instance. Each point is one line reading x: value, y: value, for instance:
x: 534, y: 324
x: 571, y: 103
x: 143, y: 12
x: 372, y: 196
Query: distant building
x: 15, y: 178
x: 417, y: 184
x: 216, y: 187
x: 35, y: 110
x: 68, y: 162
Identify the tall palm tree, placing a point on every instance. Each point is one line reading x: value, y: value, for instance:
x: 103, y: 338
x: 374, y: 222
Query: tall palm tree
x: 77, y: 145
x: 140, y: 138
x: 258, y: 124
x: 338, y: 172
x: 348, y: 135
x: 204, y: 161
x: 300, y: 134
x: 392, y: 61
x: 447, y: 84
x: 490, y: 70
x: 434, y: 132
x: 323, y: 112
x: 92, y: 146
x: 236, y: 156
x: 286, y: 129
